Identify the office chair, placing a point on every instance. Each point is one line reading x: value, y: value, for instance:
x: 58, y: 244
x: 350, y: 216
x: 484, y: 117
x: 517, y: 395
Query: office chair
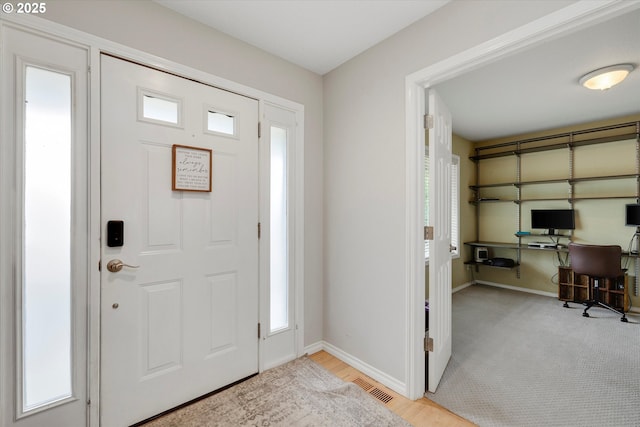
x: 599, y: 263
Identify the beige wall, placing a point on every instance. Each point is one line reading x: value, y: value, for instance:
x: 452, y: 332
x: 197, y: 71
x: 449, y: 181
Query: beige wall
x: 463, y: 148
x: 364, y: 177
x: 151, y: 28
x: 597, y: 221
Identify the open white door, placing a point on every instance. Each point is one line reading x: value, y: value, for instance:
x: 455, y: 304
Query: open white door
x: 440, y: 131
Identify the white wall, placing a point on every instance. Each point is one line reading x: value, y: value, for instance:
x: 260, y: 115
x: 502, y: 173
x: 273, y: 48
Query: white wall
x: 364, y: 123
x: 149, y: 27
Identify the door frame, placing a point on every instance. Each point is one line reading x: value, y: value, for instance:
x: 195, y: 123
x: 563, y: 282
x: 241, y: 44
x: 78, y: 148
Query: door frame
x: 560, y: 22
x: 97, y: 46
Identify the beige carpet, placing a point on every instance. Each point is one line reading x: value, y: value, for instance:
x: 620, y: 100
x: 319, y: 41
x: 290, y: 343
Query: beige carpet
x: 299, y: 393
x: 523, y: 360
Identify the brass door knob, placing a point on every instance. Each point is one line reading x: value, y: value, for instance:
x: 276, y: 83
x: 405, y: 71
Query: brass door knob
x: 115, y: 265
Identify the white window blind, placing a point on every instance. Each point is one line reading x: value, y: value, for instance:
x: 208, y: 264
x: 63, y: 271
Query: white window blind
x: 455, y: 203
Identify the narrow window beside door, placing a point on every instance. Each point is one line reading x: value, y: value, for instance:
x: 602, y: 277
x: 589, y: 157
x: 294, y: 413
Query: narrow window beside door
x: 279, y: 265
x: 46, y: 289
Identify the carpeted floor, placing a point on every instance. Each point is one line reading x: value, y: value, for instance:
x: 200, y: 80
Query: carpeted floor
x: 524, y: 360
x: 300, y: 393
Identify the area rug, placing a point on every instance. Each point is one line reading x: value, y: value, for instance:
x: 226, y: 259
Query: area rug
x: 299, y: 393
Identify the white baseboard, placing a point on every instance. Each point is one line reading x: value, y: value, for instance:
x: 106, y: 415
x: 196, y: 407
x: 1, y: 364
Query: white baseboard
x: 517, y: 288
x: 314, y: 348
x: 461, y: 287
x: 393, y: 383
x: 530, y: 291
x: 384, y: 379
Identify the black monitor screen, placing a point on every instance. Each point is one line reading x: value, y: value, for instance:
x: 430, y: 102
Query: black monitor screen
x: 632, y: 216
x: 553, y: 219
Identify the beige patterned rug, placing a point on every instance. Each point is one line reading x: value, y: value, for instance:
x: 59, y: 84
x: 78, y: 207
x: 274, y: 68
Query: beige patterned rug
x: 299, y: 393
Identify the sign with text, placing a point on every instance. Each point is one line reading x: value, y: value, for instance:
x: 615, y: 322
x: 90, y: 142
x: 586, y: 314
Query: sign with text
x: 191, y: 168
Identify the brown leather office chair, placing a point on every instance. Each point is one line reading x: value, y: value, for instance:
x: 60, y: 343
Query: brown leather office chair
x: 599, y: 262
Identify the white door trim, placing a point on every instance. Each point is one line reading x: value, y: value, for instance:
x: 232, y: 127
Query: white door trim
x: 97, y: 46
x: 572, y: 17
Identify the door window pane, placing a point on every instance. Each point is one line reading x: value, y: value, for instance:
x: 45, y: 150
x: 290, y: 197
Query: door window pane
x: 279, y: 265
x: 164, y: 110
x: 221, y: 123
x: 46, y: 293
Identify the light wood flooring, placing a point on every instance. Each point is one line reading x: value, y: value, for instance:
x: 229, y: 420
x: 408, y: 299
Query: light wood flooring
x: 420, y: 413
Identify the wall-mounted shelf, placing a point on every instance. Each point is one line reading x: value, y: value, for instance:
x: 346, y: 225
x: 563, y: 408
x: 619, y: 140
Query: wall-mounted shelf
x: 569, y: 141
x: 568, y: 181
x: 477, y: 264
x: 565, y: 140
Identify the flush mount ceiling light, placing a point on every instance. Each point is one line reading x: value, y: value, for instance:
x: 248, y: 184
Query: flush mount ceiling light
x: 606, y: 77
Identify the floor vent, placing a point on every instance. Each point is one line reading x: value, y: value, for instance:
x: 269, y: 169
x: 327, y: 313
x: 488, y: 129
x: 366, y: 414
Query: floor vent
x: 381, y: 395
x: 374, y: 391
x: 362, y: 384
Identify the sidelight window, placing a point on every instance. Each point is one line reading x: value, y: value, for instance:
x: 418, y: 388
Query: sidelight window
x: 279, y: 264
x: 46, y: 275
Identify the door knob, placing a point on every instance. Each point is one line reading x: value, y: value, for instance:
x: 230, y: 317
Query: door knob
x: 116, y: 265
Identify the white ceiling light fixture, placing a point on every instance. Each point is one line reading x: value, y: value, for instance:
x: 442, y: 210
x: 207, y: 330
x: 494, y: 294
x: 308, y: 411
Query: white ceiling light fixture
x: 607, y: 77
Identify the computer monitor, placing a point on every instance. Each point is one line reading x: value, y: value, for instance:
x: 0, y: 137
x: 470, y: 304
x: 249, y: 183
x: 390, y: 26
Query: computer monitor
x: 632, y: 215
x: 553, y: 219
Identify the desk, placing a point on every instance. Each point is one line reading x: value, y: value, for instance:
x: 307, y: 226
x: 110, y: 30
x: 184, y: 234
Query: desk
x: 579, y: 288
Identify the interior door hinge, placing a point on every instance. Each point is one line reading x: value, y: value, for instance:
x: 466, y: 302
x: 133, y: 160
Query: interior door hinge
x: 428, y: 343
x: 259, y: 129
x: 100, y: 265
x: 259, y: 230
x: 428, y: 232
x: 428, y: 121
x: 258, y: 330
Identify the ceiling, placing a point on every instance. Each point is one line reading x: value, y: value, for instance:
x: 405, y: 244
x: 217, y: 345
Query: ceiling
x: 538, y: 88
x: 318, y: 35
x: 531, y: 90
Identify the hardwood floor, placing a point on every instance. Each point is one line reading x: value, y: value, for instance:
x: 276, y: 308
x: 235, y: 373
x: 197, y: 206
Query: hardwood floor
x: 420, y: 413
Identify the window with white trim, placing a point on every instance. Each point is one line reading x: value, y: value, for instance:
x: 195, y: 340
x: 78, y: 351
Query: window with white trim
x: 455, y: 203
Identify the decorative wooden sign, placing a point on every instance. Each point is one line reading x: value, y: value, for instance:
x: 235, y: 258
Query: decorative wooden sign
x: 191, y: 168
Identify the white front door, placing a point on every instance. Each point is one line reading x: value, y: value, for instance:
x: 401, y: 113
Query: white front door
x: 181, y: 319
x: 440, y: 247
x: 44, y: 276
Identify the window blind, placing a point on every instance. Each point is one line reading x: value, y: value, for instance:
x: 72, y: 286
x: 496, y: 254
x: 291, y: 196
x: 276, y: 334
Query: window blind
x: 455, y: 202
